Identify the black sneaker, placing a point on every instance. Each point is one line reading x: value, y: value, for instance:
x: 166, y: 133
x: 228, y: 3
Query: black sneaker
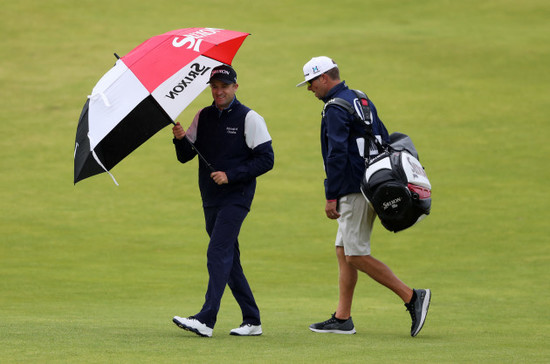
x: 418, y: 308
x: 334, y: 325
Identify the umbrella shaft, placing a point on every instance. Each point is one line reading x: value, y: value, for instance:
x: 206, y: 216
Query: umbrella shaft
x: 200, y: 155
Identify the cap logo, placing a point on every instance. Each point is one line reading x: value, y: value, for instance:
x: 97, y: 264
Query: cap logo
x: 215, y: 72
x: 315, y: 69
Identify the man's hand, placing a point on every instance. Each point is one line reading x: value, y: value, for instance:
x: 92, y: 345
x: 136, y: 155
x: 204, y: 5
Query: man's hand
x: 219, y: 177
x: 331, y: 209
x: 178, y: 131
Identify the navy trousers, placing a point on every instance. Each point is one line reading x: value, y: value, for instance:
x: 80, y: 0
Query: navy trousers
x: 223, y: 225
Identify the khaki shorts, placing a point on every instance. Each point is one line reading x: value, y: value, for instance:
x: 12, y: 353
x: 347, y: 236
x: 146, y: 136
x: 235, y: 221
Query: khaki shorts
x: 355, y: 224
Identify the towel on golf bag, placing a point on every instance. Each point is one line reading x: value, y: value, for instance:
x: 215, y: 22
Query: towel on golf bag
x: 397, y: 185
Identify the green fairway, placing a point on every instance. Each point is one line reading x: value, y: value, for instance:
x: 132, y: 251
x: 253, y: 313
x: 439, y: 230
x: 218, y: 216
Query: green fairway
x: 95, y: 272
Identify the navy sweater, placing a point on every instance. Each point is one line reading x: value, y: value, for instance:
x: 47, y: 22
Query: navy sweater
x: 220, y: 138
x: 344, y: 166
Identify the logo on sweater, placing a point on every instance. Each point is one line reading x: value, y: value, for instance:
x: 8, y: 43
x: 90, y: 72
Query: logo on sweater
x: 231, y: 130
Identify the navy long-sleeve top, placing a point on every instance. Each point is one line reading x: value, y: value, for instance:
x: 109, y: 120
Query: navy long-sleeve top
x: 344, y: 165
x: 235, y: 141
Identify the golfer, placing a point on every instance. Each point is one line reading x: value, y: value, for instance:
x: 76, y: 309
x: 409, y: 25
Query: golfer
x: 235, y: 141
x: 344, y: 169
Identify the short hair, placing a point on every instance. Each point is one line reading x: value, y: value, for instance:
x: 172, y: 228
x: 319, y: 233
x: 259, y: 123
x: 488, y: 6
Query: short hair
x: 334, y: 73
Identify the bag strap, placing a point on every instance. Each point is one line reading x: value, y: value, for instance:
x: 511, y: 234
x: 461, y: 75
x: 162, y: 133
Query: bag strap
x: 361, y: 113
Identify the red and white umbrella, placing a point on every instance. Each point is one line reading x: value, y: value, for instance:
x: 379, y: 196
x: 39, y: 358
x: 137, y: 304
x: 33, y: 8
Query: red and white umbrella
x: 145, y: 91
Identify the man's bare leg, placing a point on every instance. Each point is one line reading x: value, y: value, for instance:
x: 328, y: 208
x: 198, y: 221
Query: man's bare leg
x: 347, y: 279
x: 382, y: 274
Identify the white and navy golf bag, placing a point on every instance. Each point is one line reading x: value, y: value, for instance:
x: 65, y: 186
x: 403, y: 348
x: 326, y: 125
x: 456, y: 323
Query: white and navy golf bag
x: 394, y: 182
x: 397, y: 185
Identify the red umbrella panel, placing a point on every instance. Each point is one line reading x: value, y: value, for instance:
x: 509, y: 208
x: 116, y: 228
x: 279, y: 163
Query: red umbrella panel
x: 145, y: 91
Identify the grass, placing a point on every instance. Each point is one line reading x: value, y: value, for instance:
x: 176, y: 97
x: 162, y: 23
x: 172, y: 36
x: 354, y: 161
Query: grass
x: 94, y: 272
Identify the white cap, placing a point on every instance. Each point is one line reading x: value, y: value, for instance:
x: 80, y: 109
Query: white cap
x: 316, y: 67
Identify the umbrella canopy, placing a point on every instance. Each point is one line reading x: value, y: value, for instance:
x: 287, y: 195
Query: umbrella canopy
x: 145, y: 91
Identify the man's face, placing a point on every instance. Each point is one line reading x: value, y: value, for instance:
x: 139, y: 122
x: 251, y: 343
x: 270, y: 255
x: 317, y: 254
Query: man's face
x: 223, y: 93
x: 318, y: 86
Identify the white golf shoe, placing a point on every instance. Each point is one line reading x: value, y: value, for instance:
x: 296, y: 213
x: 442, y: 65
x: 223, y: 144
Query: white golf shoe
x: 247, y: 330
x: 193, y: 325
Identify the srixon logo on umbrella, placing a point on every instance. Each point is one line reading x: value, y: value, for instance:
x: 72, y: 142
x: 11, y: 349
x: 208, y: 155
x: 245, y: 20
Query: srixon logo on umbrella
x: 191, y: 41
x: 194, y: 39
x: 183, y: 86
x: 197, y: 70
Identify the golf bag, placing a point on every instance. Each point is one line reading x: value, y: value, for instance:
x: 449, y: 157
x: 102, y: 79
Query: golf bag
x: 394, y: 182
x: 397, y: 185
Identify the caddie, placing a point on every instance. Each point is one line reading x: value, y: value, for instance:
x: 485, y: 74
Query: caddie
x: 341, y: 147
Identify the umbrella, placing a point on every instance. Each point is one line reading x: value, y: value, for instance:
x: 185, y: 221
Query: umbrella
x: 145, y: 91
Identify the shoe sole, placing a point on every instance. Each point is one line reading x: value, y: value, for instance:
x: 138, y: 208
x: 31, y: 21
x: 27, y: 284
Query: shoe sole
x: 425, y: 307
x: 349, y: 332
x: 188, y: 328
x: 235, y: 334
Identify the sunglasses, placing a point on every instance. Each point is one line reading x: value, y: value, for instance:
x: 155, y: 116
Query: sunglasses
x: 313, y: 79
